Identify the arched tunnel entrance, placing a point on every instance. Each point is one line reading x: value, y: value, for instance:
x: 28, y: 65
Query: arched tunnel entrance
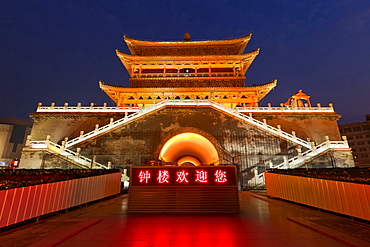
x: 189, y: 149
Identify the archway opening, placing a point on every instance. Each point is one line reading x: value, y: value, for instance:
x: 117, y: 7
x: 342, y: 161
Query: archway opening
x: 189, y: 149
x: 188, y: 161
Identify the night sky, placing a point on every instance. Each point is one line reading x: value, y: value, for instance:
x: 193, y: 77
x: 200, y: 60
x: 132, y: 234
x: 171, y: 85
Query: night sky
x: 57, y: 51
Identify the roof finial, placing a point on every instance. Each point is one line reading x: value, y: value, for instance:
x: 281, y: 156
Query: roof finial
x: 186, y: 37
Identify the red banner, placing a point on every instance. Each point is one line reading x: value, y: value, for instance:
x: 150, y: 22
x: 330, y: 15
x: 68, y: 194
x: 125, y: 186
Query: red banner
x: 183, y: 176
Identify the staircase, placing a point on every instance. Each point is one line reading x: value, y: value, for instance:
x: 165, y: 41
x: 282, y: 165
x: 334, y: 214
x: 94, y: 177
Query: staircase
x: 66, y: 154
x: 262, y: 125
x: 307, y: 156
x: 146, y: 110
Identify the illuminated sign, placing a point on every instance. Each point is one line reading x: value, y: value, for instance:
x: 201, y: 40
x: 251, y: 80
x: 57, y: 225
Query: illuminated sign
x: 183, y: 176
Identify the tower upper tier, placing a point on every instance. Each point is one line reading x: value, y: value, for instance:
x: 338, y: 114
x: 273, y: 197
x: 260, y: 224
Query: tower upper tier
x: 212, y: 63
x: 188, y: 70
x: 187, y: 47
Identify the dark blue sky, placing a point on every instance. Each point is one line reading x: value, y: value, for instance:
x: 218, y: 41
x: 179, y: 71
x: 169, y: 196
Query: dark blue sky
x: 57, y: 51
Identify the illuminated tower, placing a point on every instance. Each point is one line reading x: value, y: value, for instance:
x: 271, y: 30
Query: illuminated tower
x: 188, y: 104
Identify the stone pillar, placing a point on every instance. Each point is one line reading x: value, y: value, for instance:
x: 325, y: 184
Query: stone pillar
x: 31, y: 159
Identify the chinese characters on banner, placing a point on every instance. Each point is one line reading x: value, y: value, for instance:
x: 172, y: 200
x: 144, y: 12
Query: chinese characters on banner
x: 183, y: 176
x: 201, y: 176
x: 144, y: 176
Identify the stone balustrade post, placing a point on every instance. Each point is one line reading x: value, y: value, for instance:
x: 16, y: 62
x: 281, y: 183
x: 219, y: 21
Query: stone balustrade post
x: 286, y: 162
x: 299, y: 151
x: 345, y: 140
x: 279, y: 129
x: 264, y: 122
x: 96, y: 127
x: 250, y: 115
x: 48, y: 140
x: 111, y: 121
x: 294, y: 136
x: 93, y: 160
x: 28, y: 141
x: 313, y: 147
x: 81, y: 134
x: 327, y: 141
x: 78, y: 151
x: 62, y: 146
x: 109, y: 165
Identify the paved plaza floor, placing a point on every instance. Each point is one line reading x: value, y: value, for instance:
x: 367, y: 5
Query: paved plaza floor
x: 261, y: 222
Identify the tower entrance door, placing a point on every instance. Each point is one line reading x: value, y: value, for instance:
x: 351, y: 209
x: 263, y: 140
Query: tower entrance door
x: 189, y: 149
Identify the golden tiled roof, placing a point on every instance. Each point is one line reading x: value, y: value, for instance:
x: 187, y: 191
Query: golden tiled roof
x: 243, y: 95
x: 187, y: 48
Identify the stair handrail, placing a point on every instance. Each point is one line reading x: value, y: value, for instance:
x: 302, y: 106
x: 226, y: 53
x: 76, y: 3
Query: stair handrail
x: 319, y: 149
x: 112, y: 125
x: 59, y: 149
x: 263, y: 125
x: 145, y: 110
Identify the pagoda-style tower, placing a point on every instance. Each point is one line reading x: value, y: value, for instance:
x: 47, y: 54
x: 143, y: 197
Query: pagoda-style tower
x: 187, y: 70
x: 187, y: 104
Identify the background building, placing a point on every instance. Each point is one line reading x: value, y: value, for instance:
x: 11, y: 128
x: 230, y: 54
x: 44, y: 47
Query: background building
x: 13, y: 133
x: 358, y: 136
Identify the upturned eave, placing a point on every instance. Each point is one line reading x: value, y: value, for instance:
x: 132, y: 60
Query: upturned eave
x: 245, y: 60
x: 136, y: 46
x: 124, y: 95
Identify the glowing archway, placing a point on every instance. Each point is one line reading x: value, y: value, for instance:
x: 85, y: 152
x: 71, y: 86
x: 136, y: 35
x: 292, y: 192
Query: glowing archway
x: 189, y: 147
x: 188, y: 160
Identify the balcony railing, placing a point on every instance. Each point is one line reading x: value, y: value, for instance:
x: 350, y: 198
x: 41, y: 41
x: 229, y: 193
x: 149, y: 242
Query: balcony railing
x: 162, y: 75
x: 105, y: 108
